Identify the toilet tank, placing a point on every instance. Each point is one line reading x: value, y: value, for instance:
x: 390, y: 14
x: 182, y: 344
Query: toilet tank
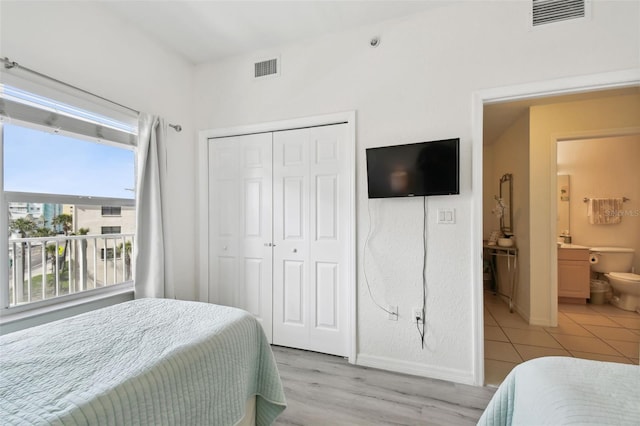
x: 611, y: 259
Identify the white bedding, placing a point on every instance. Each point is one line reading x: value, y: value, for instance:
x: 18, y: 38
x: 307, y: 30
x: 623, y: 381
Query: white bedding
x: 145, y: 362
x: 564, y: 391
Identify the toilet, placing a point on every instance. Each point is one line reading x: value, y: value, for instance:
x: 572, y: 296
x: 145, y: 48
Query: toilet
x: 615, y: 263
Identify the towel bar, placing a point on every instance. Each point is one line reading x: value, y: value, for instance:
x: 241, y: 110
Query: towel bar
x: 624, y: 199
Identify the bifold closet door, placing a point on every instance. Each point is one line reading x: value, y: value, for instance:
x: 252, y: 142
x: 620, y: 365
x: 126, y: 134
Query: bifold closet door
x: 240, y: 224
x: 311, y: 205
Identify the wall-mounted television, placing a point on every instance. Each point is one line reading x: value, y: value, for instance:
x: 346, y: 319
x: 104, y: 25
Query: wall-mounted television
x: 414, y: 170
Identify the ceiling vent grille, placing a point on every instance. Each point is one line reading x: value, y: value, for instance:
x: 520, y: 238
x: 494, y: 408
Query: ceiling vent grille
x: 549, y: 11
x: 266, y: 68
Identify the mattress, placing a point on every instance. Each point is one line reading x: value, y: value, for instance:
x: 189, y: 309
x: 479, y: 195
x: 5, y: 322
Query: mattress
x: 565, y: 391
x: 146, y: 362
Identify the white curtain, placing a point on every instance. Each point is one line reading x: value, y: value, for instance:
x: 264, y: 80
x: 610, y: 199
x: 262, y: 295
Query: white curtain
x: 152, y: 273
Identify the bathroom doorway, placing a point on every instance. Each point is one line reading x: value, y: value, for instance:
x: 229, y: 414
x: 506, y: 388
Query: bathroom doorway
x: 604, y: 167
x: 516, y: 125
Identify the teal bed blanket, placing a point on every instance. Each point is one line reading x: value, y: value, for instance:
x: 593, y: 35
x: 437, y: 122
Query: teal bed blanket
x: 566, y: 391
x: 144, y: 362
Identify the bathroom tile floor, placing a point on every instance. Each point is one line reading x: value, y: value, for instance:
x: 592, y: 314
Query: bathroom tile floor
x: 598, y: 332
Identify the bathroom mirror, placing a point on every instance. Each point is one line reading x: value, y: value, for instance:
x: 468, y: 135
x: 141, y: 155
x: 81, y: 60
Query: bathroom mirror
x: 564, y: 194
x: 506, y: 194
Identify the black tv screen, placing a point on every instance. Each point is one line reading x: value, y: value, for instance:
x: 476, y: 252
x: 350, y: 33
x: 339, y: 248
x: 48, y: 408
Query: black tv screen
x: 419, y: 169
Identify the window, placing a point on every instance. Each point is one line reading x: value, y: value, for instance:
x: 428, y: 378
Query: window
x: 110, y: 230
x: 109, y: 254
x: 67, y: 193
x: 111, y: 211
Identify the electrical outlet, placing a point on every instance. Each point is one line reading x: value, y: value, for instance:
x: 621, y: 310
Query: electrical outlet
x: 393, y: 313
x: 418, y: 317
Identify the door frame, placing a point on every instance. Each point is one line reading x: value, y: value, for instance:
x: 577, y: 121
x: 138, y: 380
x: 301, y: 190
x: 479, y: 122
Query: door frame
x: 346, y: 117
x: 562, y: 86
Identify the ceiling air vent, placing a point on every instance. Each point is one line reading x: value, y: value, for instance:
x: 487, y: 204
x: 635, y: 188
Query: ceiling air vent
x: 549, y: 11
x: 266, y: 68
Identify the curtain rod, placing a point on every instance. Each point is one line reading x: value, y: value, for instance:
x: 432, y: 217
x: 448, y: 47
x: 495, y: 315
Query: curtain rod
x: 9, y: 64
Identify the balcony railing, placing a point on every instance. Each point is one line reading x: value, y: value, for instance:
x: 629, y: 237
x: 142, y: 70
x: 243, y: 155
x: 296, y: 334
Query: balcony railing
x: 47, y: 267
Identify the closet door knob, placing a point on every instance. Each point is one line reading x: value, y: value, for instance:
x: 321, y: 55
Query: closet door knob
x: 295, y: 250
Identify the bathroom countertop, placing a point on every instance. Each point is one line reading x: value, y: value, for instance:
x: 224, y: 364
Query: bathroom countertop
x: 572, y: 246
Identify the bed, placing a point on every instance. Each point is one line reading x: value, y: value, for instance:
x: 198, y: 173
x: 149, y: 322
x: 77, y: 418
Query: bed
x: 144, y: 362
x: 563, y: 390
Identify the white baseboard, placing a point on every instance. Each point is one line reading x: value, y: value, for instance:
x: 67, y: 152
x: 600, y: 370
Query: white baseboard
x: 416, y: 369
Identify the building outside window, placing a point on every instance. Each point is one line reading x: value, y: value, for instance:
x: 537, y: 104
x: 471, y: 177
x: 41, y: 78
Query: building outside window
x: 110, y: 252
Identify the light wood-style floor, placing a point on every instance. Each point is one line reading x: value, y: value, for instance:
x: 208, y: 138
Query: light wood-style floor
x: 327, y: 390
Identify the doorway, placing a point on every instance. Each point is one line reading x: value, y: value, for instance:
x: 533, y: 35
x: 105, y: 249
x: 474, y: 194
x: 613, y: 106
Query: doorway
x: 542, y: 242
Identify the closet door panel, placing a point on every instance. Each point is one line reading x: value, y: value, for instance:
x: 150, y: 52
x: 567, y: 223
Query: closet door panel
x: 293, y: 295
x: 326, y: 208
x: 293, y: 197
x: 224, y: 210
x: 240, y: 206
x: 317, y: 158
x: 326, y: 306
x: 291, y: 230
x: 328, y: 248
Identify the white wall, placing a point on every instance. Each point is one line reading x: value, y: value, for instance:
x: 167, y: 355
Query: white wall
x: 417, y: 85
x: 85, y: 45
x: 604, y: 167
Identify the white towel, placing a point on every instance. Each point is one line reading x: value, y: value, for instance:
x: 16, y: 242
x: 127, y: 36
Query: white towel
x: 604, y: 211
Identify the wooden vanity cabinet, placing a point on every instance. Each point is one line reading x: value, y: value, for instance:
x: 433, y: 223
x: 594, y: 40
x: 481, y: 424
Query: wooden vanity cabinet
x: 574, y: 274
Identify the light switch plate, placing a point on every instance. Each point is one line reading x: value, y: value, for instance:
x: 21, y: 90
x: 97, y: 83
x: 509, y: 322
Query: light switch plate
x: 447, y: 216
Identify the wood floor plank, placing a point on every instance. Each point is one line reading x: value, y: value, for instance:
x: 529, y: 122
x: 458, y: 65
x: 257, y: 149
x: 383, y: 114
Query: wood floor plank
x: 327, y: 390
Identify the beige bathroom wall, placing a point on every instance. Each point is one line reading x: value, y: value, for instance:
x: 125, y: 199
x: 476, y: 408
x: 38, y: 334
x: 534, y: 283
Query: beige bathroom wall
x: 599, y: 117
x: 510, y: 154
x: 601, y: 168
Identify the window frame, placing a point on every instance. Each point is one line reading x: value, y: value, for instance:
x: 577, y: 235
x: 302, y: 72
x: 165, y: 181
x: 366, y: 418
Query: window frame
x: 109, y: 228
x: 110, y: 211
x: 8, y: 313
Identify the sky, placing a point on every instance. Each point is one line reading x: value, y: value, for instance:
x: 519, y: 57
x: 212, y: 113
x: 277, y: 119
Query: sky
x: 44, y: 162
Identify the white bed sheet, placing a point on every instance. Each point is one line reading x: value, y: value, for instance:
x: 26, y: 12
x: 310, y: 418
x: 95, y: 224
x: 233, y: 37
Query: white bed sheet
x: 148, y: 361
x: 565, y: 391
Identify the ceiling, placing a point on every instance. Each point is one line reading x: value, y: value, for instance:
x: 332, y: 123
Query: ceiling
x: 206, y: 31
x: 499, y: 117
